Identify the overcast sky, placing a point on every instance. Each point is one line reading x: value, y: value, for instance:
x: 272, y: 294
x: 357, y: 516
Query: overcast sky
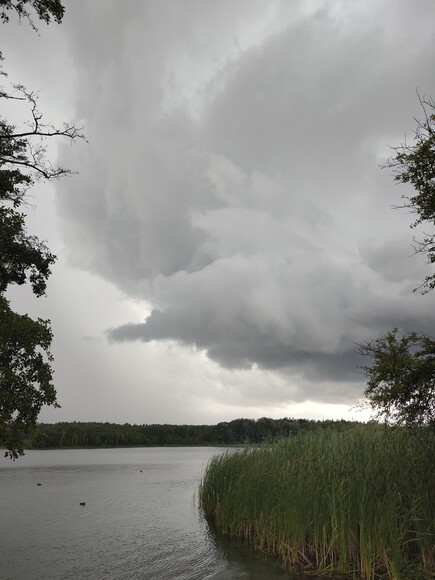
x: 230, y: 235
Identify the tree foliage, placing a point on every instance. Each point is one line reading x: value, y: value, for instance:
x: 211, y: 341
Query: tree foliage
x: 44, y: 9
x: 415, y: 164
x: 25, y: 374
x: 401, y: 378
x: 22, y: 257
x: 236, y: 432
x: 26, y: 381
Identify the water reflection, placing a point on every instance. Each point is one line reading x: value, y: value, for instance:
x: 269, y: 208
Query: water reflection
x: 242, y: 561
x: 140, y: 521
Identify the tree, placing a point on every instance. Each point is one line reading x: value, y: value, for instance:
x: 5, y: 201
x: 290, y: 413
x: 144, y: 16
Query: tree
x: 25, y: 359
x: 45, y: 10
x: 415, y: 164
x: 401, y: 379
x: 25, y: 374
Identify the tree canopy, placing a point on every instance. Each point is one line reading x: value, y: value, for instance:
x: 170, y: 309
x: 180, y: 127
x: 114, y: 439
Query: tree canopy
x: 25, y: 374
x: 401, y: 378
x: 26, y: 378
x: 44, y: 9
x: 236, y: 432
x: 415, y: 164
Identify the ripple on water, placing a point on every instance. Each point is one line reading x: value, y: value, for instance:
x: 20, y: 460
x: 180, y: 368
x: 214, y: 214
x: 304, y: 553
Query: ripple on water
x: 134, y: 525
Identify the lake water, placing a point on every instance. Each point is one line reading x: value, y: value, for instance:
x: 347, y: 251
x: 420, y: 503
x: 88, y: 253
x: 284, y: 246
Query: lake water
x: 140, y: 521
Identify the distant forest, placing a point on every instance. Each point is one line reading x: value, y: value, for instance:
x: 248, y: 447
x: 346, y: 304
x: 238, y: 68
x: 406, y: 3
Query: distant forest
x: 237, y: 432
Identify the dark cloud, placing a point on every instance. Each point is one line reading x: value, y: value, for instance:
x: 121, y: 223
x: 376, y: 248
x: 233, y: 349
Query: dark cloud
x: 395, y: 259
x: 236, y: 186
x: 249, y: 348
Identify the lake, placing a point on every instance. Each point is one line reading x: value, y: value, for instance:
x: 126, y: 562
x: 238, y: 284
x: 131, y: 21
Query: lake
x: 140, y: 521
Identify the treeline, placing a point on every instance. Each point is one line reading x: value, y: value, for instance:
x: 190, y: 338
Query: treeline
x: 237, y: 432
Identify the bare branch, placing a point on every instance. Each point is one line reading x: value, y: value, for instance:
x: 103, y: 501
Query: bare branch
x: 18, y: 147
x: 36, y: 127
x: 47, y: 173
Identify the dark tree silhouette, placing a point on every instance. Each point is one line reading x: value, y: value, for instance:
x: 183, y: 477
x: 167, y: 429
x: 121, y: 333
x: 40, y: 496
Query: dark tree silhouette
x: 401, y: 378
x: 415, y: 164
x: 26, y: 379
x: 44, y: 9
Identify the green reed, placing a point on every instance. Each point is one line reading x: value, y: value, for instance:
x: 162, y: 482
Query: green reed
x: 359, y: 503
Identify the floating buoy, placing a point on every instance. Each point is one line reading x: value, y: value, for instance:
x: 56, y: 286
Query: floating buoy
x: 141, y: 470
x: 82, y: 503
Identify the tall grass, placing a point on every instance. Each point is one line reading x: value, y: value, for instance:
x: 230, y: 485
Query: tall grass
x: 359, y: 503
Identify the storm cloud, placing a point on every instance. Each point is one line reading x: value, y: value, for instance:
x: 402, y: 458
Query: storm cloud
x: 232, y: 180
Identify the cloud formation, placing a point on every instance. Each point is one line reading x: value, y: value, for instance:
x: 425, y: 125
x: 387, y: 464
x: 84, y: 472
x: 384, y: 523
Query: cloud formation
x: 232, y: 177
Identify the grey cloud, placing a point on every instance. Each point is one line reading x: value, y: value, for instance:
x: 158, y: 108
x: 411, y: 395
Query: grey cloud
x: 255, y: 311
x: 247, y: 349
x: 260, y: 228
x: 395, y: 260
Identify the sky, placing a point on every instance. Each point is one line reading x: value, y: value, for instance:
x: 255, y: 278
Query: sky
x: 229, y: 236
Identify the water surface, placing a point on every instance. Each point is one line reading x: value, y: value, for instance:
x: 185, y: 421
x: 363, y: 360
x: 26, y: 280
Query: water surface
x: 140, y: 521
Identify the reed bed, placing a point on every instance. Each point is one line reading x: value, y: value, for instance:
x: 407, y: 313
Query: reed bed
x: 358, y: 503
